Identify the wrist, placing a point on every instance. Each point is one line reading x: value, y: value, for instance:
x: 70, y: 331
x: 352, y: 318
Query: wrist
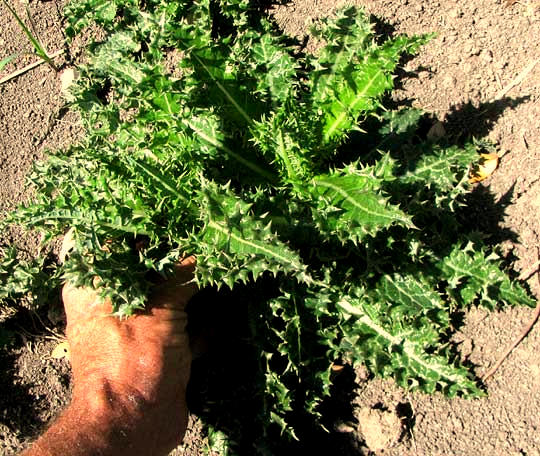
x: 102, y: 422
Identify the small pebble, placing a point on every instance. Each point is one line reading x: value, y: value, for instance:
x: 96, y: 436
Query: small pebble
x: 486, y: 55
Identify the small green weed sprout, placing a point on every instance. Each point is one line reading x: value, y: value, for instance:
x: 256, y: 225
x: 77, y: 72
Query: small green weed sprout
x: 5, y: 61
x: 32, y: 36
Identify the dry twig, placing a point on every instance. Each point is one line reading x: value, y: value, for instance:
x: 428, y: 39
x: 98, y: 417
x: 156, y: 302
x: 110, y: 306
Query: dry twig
x: 518, y: 340
x: 527, y: 274
x: 517, y: 80
x: 23, y: 70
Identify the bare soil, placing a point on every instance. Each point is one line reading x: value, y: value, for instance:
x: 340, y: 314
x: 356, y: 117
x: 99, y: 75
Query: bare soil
x: 478, y: 78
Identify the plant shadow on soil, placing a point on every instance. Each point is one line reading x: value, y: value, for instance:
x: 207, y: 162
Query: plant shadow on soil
x: 483, y: 211
x: 463, y: 123
x: 226, y: 388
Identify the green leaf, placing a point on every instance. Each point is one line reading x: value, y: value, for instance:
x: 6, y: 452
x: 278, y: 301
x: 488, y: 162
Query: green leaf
x: 33, y: 280
x: 277, y: 66
x: 351, y: 205
x: 399, y: 122
x: 279, y: 139
x: 412, y: 297
x: 105, y: 11
x: 209, y: 133
x: 114, y: 59
x: 387, y: 348
x: 471, y: 276
x: 6, y: 60
x: 440, y: 167
x: 234, y: 241
x: 353, y: 72
x: 82, y: 13
x: 218, y: 442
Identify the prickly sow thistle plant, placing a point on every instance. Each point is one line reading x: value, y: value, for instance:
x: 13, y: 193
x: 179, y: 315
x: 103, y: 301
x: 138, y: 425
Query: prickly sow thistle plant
x: 207, y: 133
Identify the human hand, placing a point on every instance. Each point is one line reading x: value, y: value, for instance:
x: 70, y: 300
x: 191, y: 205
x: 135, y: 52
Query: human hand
x: 133, y: 374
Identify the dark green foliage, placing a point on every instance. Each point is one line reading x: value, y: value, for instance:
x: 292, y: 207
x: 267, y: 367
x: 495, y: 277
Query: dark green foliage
x: 32, y: 281
x: 208, y: 134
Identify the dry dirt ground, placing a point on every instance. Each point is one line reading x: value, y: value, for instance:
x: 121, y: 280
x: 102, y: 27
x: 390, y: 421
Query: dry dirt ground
x: 480, y: 76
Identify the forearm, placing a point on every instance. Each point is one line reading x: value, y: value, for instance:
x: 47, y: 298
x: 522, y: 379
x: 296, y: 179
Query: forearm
x: 97, y: 425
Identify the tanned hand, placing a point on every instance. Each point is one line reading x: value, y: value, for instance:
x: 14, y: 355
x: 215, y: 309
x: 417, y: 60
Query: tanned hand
x: 129, y: 376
